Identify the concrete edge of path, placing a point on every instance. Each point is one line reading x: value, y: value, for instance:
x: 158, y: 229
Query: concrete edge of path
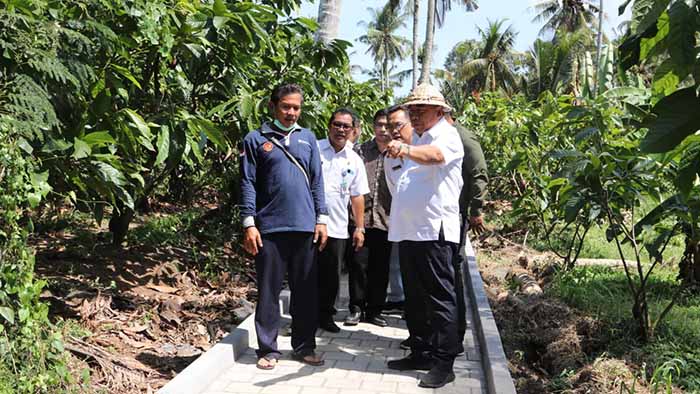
x: 196, y: 377
x: 493, y: 358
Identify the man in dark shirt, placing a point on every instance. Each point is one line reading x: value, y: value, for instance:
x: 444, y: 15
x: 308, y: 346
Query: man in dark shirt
x: 284, y: 214
x: 369, y: 265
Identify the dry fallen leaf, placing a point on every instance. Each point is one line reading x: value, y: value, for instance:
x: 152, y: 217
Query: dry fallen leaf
x: 162, y: 288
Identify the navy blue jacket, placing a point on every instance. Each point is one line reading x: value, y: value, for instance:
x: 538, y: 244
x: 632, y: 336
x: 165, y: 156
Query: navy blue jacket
x: 273, y: 189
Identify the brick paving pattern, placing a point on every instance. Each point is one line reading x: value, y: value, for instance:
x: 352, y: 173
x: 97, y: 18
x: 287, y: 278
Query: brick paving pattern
x: 355, y: 363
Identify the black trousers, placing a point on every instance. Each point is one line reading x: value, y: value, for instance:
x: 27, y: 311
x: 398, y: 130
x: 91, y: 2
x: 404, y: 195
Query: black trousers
x: 459, y: 264
x: 293, y: 253
x: 427, y: 271
x: 330, y: 259
x: 369, y: 273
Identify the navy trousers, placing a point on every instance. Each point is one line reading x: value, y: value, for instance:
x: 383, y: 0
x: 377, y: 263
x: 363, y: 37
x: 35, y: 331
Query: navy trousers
x: 330, y: 259
x: 292, y: 253
x: 431, y: 306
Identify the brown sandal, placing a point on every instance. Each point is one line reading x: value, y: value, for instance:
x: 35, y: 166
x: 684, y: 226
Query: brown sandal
x: 311, y: 359
x: 266, y: 363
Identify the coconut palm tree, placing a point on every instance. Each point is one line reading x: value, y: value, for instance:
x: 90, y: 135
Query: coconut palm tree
x: 385, y: 45
x: 437, y: 9
x: 328, y: 20
x: 492, y: 69
x: 565, y: 15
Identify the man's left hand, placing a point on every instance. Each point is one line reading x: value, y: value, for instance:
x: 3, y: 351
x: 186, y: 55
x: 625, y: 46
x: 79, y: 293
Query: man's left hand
x: 358, y: 239
x: 321, y: 236
x: 476, y: 224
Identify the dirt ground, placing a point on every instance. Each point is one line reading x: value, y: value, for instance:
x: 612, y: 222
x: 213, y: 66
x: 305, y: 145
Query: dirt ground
x: 551, y: 347
x: 137, y: 315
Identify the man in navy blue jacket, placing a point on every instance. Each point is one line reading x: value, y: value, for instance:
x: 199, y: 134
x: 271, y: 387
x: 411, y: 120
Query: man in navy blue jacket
x: 284, y: 215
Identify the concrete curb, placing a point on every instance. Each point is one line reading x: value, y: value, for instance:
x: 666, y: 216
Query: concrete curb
x: 205, y: 369
x: 493, y: 360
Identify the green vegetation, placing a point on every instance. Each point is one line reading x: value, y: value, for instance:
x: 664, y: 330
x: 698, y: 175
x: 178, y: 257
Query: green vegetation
x: 602, y: 292
x: 110, y: 107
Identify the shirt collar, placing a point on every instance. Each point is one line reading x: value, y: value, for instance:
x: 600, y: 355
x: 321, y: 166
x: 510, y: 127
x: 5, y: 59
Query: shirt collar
x: 326, y: 144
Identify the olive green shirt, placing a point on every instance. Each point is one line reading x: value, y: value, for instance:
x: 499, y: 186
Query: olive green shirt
x: 474, y: 174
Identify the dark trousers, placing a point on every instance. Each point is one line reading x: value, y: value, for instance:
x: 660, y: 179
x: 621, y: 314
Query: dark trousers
x: 459, y: 264
x: 369, y: 273
x: 427, y: 271
x: 293, y: 253
x: 330, y: 260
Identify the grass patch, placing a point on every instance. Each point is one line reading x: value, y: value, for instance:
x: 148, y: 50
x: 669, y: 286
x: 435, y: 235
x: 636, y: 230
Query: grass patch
x: 603, y: 293
x: 172, y: 229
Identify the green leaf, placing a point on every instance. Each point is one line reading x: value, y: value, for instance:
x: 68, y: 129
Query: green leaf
x: 676, y: 118
x: 138, y: 121
x: 124, y: 72
x: 109, y: 174
x: 8, y: 314
x: 163, y: 145
x: 667, y: 78
x: 55, y: 145
x: 124, y: 196
x: 98, y: 138
x: 572, y: 207
x: 645, y: 13
x: 658, y: 42
x: 688, y: 168
x: 80, y: 149
x: 139, y: 178
x: 557, y: 182
x: 211, y: 131
x: 23, y: 314
x: 219, y: 8
x: 681, y: 35
x: 25, y: 146
x: 99, y: 213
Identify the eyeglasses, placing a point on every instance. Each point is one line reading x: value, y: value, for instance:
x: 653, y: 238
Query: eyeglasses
x: 395, y: 126
x: 341, y: 126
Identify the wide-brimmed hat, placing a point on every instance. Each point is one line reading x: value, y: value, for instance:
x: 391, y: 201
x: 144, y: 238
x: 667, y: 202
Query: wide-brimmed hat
x: 427, y: 94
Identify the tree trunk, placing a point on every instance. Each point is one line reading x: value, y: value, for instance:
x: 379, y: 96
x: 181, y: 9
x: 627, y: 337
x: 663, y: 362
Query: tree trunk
x: 328, y: 20
x: 385, y: 74
x: 599, y: 47
x: 429, y: 37
x: 416, y: 40
x: 119, y: 223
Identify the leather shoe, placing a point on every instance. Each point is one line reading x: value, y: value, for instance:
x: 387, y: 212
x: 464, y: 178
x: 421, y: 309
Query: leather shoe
x: 406, y: 343
x: 436, y: 378
x: 377, y: 320
x: 329, y: 325
x: 411, y: 362
x: 353, y: 318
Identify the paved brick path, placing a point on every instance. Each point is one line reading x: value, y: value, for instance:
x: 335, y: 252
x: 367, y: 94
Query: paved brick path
x: 355, y: 364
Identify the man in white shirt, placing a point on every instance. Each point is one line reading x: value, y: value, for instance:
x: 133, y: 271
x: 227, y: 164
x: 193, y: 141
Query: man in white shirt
x: 426, y: 180
x: 345, y: 181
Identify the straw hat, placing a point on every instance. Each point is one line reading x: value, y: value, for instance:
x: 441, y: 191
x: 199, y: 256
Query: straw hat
x: 427, y: 94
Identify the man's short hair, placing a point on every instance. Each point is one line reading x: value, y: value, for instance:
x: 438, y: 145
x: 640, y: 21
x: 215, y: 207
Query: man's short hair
x: 285, y: 89
x: 382, y: 113
x: 345, y: 111
x: 399, y: 107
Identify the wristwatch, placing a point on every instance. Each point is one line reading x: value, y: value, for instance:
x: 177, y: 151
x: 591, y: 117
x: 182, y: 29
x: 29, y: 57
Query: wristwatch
x: 362, y: 229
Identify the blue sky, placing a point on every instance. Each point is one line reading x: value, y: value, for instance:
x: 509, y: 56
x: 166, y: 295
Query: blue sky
x: 459, y: 25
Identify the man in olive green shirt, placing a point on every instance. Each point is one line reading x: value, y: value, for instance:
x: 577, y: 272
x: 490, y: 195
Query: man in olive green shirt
x: 475, y: 176
x: 471, y: 200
